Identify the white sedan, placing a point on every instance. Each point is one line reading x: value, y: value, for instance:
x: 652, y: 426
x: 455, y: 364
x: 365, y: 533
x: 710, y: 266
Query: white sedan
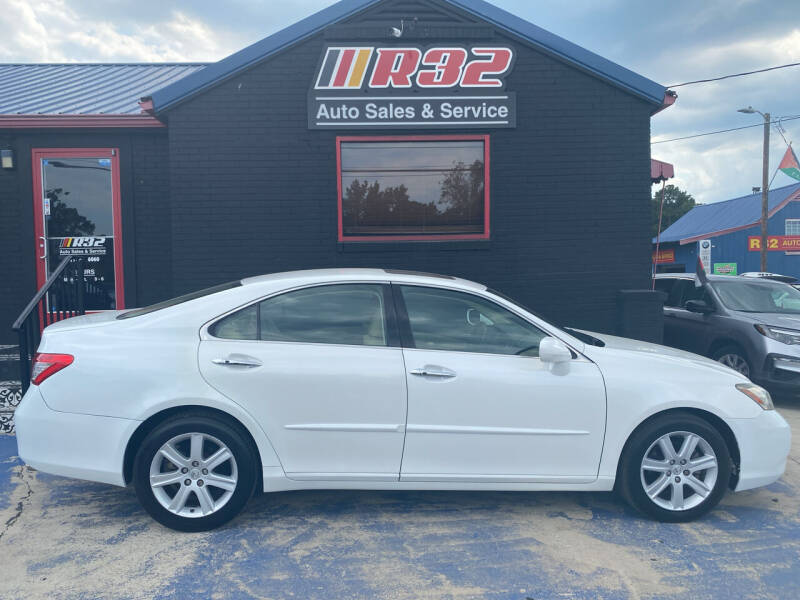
x: 390, y: 380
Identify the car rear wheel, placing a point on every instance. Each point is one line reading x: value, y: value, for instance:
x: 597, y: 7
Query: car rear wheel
x: 733, y: 357
x: 194, y: 473
x: 675, y: 468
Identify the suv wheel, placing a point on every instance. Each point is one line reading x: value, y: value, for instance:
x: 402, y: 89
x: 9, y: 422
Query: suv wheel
x: 733, y: 357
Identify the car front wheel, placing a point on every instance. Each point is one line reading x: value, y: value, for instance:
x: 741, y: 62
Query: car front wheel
x: 675, y: 468
x: 194, y: 473
x: 733, y: 357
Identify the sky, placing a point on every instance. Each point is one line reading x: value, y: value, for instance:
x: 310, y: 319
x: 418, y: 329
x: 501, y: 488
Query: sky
x: 671, y: 42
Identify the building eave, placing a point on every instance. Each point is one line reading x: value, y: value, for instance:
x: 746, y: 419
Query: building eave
x: 78, y: 121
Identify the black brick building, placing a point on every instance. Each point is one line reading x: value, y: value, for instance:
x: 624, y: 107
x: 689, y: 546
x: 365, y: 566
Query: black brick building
x: 539, y: 187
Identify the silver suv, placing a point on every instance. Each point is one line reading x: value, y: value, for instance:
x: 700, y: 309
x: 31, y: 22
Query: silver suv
x: 749, y: 324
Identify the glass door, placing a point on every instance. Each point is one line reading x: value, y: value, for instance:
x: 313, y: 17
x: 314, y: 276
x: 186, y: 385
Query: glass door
x: 77, y: 213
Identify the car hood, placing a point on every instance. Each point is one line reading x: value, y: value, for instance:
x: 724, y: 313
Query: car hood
x: 774, y: 319
x: 657, y: 353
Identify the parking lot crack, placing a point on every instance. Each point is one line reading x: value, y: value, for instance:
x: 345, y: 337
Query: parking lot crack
x: 21, y: 474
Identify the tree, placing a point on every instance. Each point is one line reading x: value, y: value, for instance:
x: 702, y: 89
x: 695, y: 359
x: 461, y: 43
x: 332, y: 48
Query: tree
x: 66, y: 221
x: 676, y: 204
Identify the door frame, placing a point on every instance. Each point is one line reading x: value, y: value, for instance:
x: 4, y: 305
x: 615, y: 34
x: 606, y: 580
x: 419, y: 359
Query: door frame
x: 37, y: 154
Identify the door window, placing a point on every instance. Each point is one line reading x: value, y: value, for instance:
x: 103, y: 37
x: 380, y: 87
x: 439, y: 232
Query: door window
x: 351, y: 315
x: 665, y: 285
x: 692, y: 292
x: 459, y: 322
x: 676, y: 293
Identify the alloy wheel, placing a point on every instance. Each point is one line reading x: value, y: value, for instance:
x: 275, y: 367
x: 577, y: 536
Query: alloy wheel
x: 679, y: 471
x: 735, y: 362
x: 193, y: 475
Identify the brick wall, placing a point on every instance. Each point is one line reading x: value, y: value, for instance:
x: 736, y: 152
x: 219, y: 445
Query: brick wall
x: 254, y: 191
x: 16, y: 242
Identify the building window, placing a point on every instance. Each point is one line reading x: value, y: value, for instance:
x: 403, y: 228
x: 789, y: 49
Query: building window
x: 413, y: 188
x: 792, y: 226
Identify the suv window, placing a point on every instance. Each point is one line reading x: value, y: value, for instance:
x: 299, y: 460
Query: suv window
x: 349, y: 314
x: 677, y: 292
x: 665, y: 285
x: 460, y: 322
x: 692, y: 292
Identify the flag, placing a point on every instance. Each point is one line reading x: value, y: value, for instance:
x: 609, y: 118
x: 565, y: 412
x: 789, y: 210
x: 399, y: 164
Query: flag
x: 789, y: 164
x: 701, y: 278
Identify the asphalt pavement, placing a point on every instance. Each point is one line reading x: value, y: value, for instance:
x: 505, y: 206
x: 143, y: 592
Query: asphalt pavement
x: 61, y: 538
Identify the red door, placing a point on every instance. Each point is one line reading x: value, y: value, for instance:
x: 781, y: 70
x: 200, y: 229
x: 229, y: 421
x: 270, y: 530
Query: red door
x: 76, y: 208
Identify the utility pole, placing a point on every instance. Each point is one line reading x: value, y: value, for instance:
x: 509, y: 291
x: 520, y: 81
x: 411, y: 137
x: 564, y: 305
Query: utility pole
x: 765, y: 195
x: 764, y: 185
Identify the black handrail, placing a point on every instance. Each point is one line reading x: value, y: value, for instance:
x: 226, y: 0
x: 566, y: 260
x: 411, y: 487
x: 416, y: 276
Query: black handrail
x: 40, y: 294
x: 65, y: 300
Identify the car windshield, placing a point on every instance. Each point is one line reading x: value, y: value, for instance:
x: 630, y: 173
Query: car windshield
x: 138, y: 312
x: 758, y: 297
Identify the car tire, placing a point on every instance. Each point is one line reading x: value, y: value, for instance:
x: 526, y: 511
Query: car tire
x: 675, y: 497
x: 734, y: 357
x: 194, y: 472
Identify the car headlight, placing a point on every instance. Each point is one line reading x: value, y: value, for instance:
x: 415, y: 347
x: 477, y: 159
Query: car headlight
x: 757, y: 394
x: 779, y: 334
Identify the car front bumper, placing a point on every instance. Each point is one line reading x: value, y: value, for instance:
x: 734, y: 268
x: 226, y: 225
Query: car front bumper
x: 764, y: 444
x: 82, y: 446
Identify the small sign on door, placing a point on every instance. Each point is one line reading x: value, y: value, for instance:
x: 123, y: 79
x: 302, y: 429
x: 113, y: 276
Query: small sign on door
x: 83, y: 246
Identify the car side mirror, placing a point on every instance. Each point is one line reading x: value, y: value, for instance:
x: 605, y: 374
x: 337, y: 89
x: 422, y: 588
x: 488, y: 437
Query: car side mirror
x: 554, y: 351
x: 698, y: 306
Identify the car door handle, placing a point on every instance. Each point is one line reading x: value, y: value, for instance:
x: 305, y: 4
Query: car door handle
x: 433, y: 371
x: 237, y: 362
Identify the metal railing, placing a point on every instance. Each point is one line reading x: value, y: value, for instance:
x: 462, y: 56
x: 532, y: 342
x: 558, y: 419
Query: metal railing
x: 61, y: 297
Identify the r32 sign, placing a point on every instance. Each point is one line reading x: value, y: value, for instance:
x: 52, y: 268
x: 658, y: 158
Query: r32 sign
x: 347, y: 68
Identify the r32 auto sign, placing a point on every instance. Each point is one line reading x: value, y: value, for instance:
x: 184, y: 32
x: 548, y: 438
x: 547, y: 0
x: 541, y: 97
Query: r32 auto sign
x: 82, y: 246
x: 364, y: 87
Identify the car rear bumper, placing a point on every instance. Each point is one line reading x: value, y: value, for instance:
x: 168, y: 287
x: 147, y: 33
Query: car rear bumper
x: 73, y: 445
x: 764, y: 444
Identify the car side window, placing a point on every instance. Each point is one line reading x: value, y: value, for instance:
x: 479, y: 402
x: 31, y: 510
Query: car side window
x: 347, y: 314
x: 675, y: 294
x: 665, y: 285
x: 692, y: 292
x: 459, y: 322
x: 241, y: 325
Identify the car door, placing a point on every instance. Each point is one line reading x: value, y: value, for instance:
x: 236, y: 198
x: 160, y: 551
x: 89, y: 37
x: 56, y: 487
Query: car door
x: 695, y: 328
x: 321, y: 369
x: 684, y: 329
x: 482, y: 407
x: 674, y: 325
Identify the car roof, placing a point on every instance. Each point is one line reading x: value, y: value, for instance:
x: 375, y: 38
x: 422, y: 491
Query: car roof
x: 367, y: 275
x: 692, y: 276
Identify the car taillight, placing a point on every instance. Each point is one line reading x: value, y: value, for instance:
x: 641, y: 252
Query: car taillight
x: 45, y: 365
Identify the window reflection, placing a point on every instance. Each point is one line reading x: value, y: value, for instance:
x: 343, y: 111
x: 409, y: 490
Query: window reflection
x: 350, y: 315
x: 401, y: 188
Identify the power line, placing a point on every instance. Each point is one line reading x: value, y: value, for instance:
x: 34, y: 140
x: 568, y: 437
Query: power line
x: 697, y: 135
x: 734, y: 75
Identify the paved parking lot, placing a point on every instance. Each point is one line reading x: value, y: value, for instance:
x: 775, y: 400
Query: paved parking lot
x: 69, y: 539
